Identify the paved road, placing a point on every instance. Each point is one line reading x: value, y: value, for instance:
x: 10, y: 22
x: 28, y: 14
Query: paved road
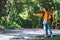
x: 25, y: 34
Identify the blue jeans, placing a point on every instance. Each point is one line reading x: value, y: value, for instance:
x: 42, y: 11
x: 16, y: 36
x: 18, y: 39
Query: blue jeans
x: 47, y: 26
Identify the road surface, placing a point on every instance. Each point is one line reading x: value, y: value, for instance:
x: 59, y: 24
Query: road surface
x: 25, y: 34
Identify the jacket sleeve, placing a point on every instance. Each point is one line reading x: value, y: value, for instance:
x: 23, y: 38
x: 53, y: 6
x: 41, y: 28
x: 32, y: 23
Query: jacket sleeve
x: 38, y: 14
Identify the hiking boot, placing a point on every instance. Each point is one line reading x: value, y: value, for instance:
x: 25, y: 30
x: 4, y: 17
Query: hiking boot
x: 51, y: 36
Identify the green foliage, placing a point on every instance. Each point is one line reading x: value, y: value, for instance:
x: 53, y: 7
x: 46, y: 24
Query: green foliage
x: 19, y: 13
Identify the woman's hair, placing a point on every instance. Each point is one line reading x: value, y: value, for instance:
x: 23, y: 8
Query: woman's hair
x: 46, y: 9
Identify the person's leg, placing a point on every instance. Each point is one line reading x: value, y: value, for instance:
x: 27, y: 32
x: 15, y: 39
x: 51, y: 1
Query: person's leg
x: 44, y: 24
x: 44, y: 27
x: 49, y: 27
x: 46, y: 30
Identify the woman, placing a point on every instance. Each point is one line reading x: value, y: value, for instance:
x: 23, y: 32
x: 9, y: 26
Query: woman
x: 46, y: 21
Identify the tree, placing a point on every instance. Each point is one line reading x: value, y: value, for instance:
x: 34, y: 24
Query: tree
x: 19, y: 13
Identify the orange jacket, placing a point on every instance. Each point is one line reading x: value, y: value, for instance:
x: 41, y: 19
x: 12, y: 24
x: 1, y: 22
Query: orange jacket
x: 38, y: 14
x: 46, y: 16
x: 49, y: 18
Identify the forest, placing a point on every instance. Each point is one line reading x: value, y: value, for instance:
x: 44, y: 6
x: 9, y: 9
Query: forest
x: 19, y: 13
